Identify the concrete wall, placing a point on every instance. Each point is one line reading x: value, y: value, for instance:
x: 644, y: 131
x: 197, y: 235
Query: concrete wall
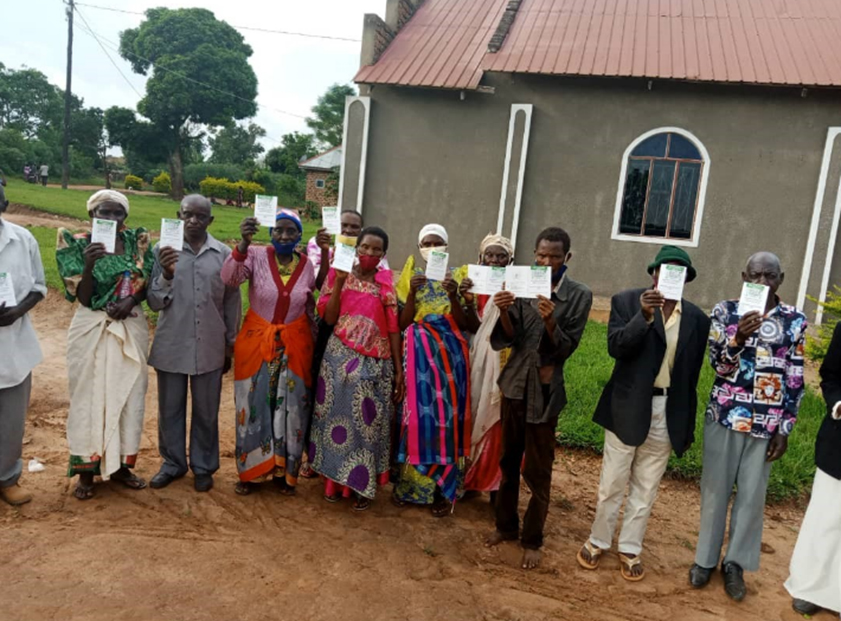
x: 433, y: 157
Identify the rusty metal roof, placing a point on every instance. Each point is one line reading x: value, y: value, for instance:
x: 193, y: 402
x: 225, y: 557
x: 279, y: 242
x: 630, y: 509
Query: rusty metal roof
x: 780, y: 42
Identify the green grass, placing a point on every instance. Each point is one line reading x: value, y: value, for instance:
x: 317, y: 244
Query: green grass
x: 587, y: 373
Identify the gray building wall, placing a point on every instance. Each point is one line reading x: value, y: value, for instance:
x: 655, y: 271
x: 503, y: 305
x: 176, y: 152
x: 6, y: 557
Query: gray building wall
x: 433, y: 157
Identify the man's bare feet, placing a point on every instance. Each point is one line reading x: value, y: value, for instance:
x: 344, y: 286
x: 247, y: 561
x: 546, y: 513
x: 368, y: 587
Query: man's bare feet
x: 531, y: 558
x: 494, y: 539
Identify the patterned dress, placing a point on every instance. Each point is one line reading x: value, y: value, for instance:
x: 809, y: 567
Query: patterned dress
x: 435, y: 425
x: 273, y: 363
x: 351, y: 432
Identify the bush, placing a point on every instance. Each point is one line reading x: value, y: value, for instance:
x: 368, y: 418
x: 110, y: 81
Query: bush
x: 226, y: 190
x: 292, y: 189
x: 195, y: 173
x: 133, y: 183
x: 162, y: 183
x: 816, y: 346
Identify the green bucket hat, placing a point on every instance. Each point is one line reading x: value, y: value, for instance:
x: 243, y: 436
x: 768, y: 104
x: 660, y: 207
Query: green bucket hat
x: 673, y: 254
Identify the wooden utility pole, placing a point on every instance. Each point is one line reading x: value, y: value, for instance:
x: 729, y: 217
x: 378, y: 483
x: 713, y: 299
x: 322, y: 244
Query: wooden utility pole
x: 68, y: 94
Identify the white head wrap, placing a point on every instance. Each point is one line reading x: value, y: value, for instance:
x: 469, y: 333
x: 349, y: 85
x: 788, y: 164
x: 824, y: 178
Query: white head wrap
x: 107, y: 196
x: 496, y: 240
x: 433, y: 229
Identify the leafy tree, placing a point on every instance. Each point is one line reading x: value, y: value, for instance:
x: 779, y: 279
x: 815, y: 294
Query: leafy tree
x: 29, y: 103
x: 237, y: 144
x: 328, y: 117
x: 200, y: 75
x: 294, y: 148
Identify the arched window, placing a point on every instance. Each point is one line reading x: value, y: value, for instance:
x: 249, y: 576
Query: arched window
x: 662, y: 188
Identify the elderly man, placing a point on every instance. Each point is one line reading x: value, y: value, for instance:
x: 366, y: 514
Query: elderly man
x: 758, y: 361
x: 815, y: 580
x: 22, y: 286
x: 542, y: 334
x: 199, y: 319
x: 647, y: 408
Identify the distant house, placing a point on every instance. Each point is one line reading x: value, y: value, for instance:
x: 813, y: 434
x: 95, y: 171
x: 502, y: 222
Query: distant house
x: 319, y: 169
x: 631, y: 123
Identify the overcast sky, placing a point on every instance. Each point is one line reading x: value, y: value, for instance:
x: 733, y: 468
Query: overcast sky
x: 292, y: 71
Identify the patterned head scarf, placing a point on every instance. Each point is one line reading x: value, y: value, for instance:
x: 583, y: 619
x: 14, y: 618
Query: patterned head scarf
x: 292, y: 215
x: 107, y: 196
x: 433, y: 229
x: 496, y: 240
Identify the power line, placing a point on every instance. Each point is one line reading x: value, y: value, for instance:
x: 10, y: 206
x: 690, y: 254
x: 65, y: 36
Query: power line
x: 87, y: 30
x: 255, y: 29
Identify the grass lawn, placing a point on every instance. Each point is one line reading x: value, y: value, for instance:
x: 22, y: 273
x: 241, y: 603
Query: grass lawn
x: 588, y: 371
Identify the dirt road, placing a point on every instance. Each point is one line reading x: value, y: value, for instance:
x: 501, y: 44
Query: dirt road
x: 175, y: 554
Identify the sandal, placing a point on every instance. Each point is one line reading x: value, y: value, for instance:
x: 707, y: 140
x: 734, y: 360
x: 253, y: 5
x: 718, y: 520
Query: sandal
x: 332, y: 499
x: 441, y: 509
x: 626, y: 566
x: 84, y: 492
x: 244, y: 489
x: 307, y: 472
x: 129, y: 479
x: 361, y: 504
x: 397, y: 502
x: 595, y: 556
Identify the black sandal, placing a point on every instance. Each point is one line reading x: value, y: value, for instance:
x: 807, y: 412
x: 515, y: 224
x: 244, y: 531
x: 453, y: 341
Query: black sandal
x: 362, y: 504
x: 129, y: 479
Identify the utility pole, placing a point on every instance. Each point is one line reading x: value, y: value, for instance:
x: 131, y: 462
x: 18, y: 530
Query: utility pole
x: 68, y: 94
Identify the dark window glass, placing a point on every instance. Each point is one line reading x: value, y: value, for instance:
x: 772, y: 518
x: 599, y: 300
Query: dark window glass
x: 633, y: 203
x: 659, y: 198
x: 681, y: 149
x: 652, y: 147
x: 686, y: 197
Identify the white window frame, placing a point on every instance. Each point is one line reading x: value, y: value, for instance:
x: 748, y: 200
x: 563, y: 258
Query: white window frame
x: 702, y: 192
x: 323, y: 183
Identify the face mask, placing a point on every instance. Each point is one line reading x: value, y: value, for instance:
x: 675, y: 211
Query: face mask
x: 368, y: 262
x: 556, y: 276
x: 285, y: 249
x: 425, y: 252
x: 347, y: 241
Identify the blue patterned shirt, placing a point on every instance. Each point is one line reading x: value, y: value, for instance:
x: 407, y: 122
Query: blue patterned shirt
x: 758, y: 388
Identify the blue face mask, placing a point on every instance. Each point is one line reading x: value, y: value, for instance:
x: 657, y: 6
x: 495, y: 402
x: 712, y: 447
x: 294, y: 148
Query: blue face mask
x: 556, y: 276
x: 285, y: 249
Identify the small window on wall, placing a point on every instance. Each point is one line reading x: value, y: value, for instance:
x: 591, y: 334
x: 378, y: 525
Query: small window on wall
x: 662, y: 189
x: 319, y: 183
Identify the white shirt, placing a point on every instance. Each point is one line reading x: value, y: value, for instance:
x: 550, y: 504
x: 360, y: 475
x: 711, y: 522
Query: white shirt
x: 45, y: 170
x: 20, y: 257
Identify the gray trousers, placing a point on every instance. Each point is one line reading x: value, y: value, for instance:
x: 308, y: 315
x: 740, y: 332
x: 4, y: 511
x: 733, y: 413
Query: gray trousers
x: 206, y: 391
x: 14, y: 402
x: 731, y: 457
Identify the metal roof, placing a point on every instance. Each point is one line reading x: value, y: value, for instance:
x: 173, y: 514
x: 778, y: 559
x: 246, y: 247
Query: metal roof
x: 779, y: 42
x: 324, y: 161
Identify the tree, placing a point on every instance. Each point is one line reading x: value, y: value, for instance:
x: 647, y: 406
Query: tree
x: 237, y: 144
x: 200, y: 75
x: 29, y: 103
x: 294, y: 148
x: 328, y: 118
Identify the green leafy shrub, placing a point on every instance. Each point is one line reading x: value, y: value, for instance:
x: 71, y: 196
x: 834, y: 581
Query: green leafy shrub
x: 133, y: 182
x: 817, y: 345
x: 162, y: 183
x: 194, y: 174
x: 227, y: 190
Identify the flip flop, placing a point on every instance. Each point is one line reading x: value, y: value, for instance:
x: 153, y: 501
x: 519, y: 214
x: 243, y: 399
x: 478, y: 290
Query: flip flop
x: 131, y: 481
x: 244, y: 489
x: 441, y: 509
x: 333, y: 499
x: 595, y: 556
x: 362, y: 504
x: 627, y: 564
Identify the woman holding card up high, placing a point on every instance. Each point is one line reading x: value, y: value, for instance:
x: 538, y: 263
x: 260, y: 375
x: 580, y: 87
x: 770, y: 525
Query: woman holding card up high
x: 435, y: 425
x: 361, y: 376
x: 273, y: 352
x: 107, y: 343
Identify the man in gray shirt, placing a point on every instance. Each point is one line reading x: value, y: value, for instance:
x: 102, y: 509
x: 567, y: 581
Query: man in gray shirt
x: 197, y: 326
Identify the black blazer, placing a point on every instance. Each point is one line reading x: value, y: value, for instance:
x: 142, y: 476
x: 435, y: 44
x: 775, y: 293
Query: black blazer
x: 639, y: 347
x: 828, y: 445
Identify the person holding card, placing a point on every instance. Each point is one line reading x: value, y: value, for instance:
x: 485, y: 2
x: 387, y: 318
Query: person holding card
x: 361, y: 377
x: 542, y: 334
x: 435, y: 425
x: 658, y: 339
x: 815, y: 572
x: 107, y: 345
x: 484, y: 473
x: 273, y: 353
x: 194, y: 343
x: 758, y: 362
x: 22, y: 286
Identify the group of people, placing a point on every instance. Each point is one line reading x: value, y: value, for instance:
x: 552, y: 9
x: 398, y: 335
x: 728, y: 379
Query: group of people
x: 367, y: 379
x: 33, y: 173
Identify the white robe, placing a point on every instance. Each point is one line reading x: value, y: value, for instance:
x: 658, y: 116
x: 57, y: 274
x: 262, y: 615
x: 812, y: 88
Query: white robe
x: 815, y: 571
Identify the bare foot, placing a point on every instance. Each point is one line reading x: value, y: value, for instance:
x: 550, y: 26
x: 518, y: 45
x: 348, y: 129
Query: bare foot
x: 531, y: 558
x: 494, y: 539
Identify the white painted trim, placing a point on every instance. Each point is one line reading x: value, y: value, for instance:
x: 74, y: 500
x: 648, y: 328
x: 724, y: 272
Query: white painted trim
x: 702, y: 194
x: 363, y: 156
x: 528, y: 110
x: 831, y: 134
x: 830, y: 254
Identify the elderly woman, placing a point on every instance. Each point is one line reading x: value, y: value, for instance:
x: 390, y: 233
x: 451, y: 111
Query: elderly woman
x: 435, y: 426
x: 361, y: 376
x: 484, y: 473
x: 106, y: 346
x: 273, y: 353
